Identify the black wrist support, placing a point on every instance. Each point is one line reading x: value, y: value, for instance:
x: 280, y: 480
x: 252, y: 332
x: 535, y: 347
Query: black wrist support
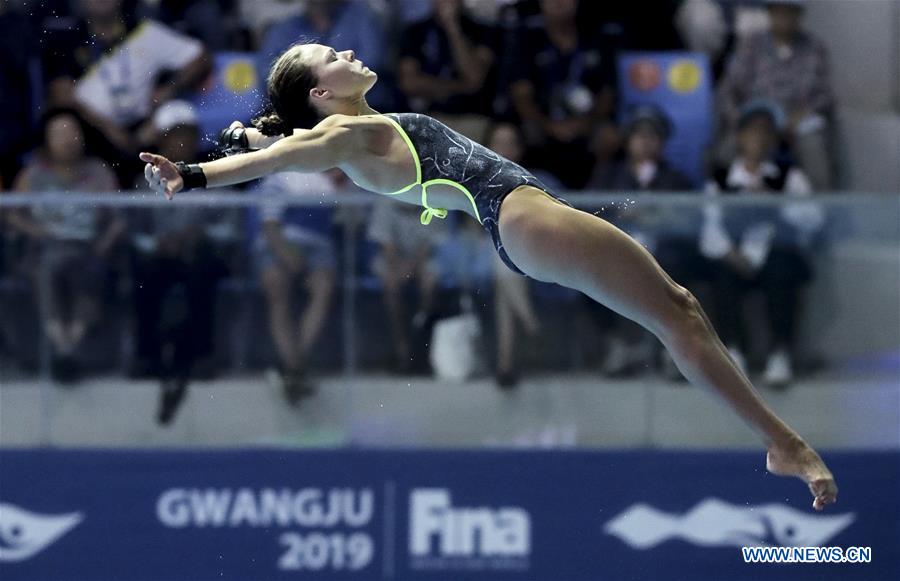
x: 233, y: 140
x: 192, y: 175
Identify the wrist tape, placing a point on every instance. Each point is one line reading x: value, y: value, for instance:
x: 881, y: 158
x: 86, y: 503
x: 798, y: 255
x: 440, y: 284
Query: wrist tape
x: 192, y: 175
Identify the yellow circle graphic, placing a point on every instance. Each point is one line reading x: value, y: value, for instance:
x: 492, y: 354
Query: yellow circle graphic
x: 684, y: 76
x: 240, y: 76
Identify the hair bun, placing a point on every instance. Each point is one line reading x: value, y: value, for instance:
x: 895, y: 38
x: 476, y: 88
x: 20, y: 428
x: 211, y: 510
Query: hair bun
x: 272, y: 125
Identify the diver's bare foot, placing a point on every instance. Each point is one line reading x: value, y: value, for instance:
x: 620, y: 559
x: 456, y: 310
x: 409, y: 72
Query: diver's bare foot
x: 797, y: 458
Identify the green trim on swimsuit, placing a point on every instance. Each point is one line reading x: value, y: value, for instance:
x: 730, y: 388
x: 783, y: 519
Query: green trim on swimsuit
x: 415, y: 154
x: 429, y: 212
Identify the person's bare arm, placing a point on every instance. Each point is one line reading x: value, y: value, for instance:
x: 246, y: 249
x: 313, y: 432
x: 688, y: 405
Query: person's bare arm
x: 416, y: 83
x: 20, y: 220
x: 328, y: 145
x: 187, y: 77
x: 472, y: 61
x: 522, y: 92
x: 565, y: 130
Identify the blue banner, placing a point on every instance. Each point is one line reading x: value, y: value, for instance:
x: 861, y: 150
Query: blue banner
x: 680, y: 84
x: 231, y: 92
x: 554, y: 516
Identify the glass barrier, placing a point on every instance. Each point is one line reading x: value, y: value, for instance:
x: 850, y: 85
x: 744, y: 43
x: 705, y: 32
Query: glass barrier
x: 226, y: 319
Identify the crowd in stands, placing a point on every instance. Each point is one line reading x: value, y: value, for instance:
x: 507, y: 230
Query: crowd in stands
x: 89, y: 83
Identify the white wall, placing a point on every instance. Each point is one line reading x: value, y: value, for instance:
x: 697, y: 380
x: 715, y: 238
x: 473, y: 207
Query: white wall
x: 862, y: 36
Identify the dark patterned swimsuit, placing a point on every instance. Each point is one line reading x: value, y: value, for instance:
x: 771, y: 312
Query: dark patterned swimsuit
x: 445, y: 157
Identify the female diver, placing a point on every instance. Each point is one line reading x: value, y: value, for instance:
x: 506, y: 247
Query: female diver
x: 417, y: 160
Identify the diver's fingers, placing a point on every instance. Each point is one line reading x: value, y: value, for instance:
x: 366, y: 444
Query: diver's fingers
x: 825, y: 492
x: 151, y: 158
x: 164, y: 183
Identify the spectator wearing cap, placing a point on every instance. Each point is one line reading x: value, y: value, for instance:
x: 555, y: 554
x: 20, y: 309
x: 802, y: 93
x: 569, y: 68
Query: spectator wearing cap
x: 788, y: 66
x: 72, y: 242
x: 177, y: 266
x: 760, y: 248
x: 644, y: 168
x: 117, y: 70
x: 669, y: 233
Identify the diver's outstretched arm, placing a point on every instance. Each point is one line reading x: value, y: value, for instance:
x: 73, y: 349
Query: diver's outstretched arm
x: 325, y: 146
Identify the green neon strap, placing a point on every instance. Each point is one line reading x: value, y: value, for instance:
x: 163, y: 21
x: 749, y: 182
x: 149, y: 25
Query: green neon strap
x: 452, y: 184
x: 412, y: 150
x: 428, y: 213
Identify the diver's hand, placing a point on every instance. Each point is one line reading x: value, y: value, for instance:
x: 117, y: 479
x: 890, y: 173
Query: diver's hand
x: 162, y: 175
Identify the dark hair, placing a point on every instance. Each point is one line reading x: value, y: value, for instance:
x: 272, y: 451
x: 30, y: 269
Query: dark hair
x: 288, y: 86
x: 648, y: 114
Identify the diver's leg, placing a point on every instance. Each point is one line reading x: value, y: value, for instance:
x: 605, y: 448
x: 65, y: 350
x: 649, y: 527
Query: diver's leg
x: 553, y: 242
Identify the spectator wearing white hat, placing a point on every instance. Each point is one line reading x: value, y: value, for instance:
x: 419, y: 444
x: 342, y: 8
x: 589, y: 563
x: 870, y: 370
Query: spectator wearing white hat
x: 177, y: 266
x: 764, y: 248
x: 788, y: 66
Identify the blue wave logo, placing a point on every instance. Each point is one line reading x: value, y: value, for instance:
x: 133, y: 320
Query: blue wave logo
x: 24, y: 534
x: 715, y: 523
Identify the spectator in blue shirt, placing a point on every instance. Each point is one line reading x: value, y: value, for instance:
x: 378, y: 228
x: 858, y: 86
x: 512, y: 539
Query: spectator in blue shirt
x: 292, y: 245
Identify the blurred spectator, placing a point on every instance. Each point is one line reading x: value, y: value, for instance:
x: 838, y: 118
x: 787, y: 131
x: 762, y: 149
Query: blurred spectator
x: 259, y: 15
x: 512, y: 300
x: 788, y: 66
x: 193, y: 18
x: 644, y: 167
x: 666, y: 232
x: 637, y: 25
x: 564, y: 89
x: 117, y: 71
x: 763, y: 248
x: 704, y: 27
x: 292, y: 245
x: 18, y: 53
x: 406, y: 255
x: 177, y: 266
x: 446, y: 68
x: 343, y: 24
x: 72, y: 242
